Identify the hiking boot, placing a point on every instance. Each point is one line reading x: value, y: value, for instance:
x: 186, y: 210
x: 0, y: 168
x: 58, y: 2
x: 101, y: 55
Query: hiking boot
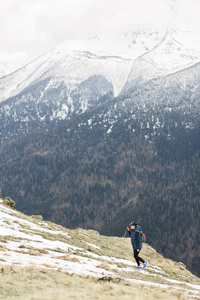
x: 145, y: 264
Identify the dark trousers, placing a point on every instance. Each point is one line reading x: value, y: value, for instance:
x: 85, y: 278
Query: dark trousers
x: 137, y: 258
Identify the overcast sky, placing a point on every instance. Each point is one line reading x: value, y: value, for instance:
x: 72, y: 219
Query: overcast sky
x: 30, y: 28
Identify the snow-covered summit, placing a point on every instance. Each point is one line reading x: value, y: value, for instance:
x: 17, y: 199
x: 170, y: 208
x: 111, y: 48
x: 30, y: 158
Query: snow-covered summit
x: 169, y: 55
x: 120, y: 59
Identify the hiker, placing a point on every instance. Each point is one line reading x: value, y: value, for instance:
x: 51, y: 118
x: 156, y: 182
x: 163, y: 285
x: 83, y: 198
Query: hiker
x: 134, y: 232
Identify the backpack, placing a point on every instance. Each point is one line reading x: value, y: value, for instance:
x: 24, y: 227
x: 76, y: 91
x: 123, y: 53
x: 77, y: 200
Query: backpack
x: 142, y: 237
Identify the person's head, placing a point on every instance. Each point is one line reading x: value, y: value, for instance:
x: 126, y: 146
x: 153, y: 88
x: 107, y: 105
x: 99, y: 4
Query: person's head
x: 133, y: 225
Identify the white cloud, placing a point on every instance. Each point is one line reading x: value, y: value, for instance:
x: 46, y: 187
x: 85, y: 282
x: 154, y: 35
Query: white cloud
x: 187, y: 13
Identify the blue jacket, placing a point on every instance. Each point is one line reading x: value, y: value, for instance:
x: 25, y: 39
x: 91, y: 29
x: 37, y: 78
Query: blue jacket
x: 135, y: 238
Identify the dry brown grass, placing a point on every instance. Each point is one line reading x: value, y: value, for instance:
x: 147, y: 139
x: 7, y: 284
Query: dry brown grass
x: 42, y: 284
x: 104, y: 265
x: 68, y: 258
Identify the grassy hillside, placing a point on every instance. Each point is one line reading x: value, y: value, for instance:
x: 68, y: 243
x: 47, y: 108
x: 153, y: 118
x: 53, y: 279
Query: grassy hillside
x: 42, y: 260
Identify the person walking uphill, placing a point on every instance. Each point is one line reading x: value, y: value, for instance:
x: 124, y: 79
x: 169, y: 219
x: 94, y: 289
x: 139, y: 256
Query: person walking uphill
x: 134, y: 232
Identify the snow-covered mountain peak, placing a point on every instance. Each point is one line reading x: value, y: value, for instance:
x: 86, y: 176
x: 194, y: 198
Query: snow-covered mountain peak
x: 173, y: 53
x: 127, y: 45
x: 120, y: 59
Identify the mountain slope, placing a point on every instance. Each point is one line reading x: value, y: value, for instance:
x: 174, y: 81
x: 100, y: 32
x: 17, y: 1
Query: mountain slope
x: 43, y: 250
x: 126, y: 157
x: 69, y: 145
x: 115, y: 58
x: 170, y: 55
x: 78, y: 75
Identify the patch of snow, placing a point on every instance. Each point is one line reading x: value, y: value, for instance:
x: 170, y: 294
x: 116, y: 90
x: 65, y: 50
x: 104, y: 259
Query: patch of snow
x: 92, y: 245
x: 110, y: 129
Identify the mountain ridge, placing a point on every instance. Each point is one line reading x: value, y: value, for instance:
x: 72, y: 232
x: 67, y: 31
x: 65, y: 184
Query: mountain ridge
x: 184, y: 54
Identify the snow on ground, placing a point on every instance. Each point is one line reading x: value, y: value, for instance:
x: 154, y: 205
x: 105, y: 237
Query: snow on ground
x: 26, y: 241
